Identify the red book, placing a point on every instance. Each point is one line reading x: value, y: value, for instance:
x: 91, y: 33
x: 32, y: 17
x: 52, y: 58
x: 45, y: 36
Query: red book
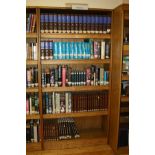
x: 63, y: 76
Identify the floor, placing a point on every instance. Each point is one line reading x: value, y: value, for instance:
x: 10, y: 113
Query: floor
x: 92, y: 150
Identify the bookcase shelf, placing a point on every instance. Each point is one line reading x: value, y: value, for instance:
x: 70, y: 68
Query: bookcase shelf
x: 31, y: 62
x: 124, y: 109
x: 76, y: 36
x: 32, y: 116
x: 82, y: 62
x: 125, y: 77
x: 75, y: 88
x: 33, y: 146
x: 87, y: 138
x: 31, y: 35
x: 29, y: 90
x: 76, y: 114
x: 124, y: 98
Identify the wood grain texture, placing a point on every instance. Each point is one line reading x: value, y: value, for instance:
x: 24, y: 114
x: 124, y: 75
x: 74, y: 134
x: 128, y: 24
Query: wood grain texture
x: 33, y: 146
x: 31, y: 62
x: 117, y: 39
x: 75, y: 88
x: 29, y: 90
x: 125, y: 77
x: 124, y: 98
x: 76, y: 114
x: 81, y: 62
x: 90, y: 150
x: 32, y: 116
x: 123, y: 150
x: 70, y: 36
x: 31, y: 35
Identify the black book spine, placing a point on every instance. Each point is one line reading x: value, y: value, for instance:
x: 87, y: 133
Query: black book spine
x: 59, y: 23
x: 51, y: 22
x: 56, y: 77
x: 42, y: 22
x: 55, y: 23
x: 59, y: 75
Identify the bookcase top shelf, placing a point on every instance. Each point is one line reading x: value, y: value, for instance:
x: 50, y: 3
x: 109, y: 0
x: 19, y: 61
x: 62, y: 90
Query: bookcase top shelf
x: 31, y: 35
x: 74, y: 36
x: 75, y: 88
x: 76, y: 114
x: 125, y: 77
x: 32, y: 116
x: 90, y: 61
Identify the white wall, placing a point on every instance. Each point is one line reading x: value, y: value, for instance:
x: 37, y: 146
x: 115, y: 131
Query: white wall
x: 103, y: 4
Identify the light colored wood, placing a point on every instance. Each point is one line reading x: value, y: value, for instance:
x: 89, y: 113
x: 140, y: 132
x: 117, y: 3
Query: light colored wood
x: 81, y: 62
x: 87, y: 138
x: 31, y: 35
x: 75, y: 88
x: 32, y: 116
x: 125, y: 77
x: 31, y: 62
x: 33, y: 146
x: 70, y: 36
x: 90, y: 150
x: 29, y: 90
x: 124, y: 98
x: 76, y: 114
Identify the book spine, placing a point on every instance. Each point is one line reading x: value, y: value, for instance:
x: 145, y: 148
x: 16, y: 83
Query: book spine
x: 80, y: 23
x: 27, y: 106
x: 54, y: 104
x: 50, y: 48
x: 59, y: 23
x: 46, y: 23
x: 108, y: 24
x: 47, y: 98
x: 64, y: 23
x: 51, y: 22
x: 63, y: 76
x: 72, y: 16
x: 67, y: 47
x: 92, y: 24
x: 76, y: 23
x: 42, y: 50
x: 107, y: 50
x: 102, y: 49
x: 42, y: 23
x: 35, y: 133
x: 96, y: 23
x: 84, y: 24
x: 35, y: 52
x: 55, y: 23
x: 71, y: 50
x: 50, y: 104
x: 68, y: 23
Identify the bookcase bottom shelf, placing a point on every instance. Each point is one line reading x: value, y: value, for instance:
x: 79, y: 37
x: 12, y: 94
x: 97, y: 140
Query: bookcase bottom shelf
x: 123, y: 150
x: 87, y: 138
x: 33, y: 147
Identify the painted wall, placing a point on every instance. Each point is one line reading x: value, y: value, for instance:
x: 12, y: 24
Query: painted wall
x: 103, y: 4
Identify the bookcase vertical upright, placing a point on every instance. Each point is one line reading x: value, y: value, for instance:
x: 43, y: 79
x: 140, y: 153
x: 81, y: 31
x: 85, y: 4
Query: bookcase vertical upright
x: 119, y: 110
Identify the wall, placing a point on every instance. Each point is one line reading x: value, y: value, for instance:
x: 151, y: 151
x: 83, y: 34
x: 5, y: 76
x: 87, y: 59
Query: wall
x: 103, y: 4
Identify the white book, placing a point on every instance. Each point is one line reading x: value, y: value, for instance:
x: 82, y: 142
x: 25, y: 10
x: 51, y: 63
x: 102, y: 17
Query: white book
x: 102, y: 49
x: 35, y: 132
x: 69, y: 103
x: 66, y: 101
x: 101, y: 76
x: 35, y: 52
x: 57, y: 96
x: 30, y: 99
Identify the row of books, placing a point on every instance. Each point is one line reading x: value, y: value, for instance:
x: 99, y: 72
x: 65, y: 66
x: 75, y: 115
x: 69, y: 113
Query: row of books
x: 74, y: 102
x: 31, y: 22
x: 87, y: 49
x: 32, y: 131
x: 74, y: 23
x: 32, y: 77
x: 60, y: 129
x: 66, y: 76
x: 125, y: 88
x: 32, y: 103
x: 125, y: 65
x: 31, y: 51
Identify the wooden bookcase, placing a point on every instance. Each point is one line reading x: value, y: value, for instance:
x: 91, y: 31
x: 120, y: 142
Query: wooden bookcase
x: 119, y: 104
x: 96, y: 127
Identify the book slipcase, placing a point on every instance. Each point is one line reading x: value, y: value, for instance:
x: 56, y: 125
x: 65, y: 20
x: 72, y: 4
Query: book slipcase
x: 68, y: 78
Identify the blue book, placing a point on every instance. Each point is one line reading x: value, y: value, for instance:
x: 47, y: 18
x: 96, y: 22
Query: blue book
x: 46, y: 50
x: 67, y: 50
x: 80, y: 23
x: 59, y: 50
x: 68, y: 23
x: 83, y: 50
x: 71, y: 54
x: 51, y: 49
x: 84, y: 23
x: 86, y: 49
x: 59, y: 22
x: 96, y: 23
x: 72, y: 22
x: 89, y: 50
x: 76, y: 23
x: 55, y: 23
x: 63, y: 28
x: 63, y: 50
x: 42, y: 22
x: 108, y: 24
x: 42, y: 50
x: 92, y: 19
x: 75, y: 50
x: 55, y: 50
x: 79, y: 54
x: 51, y: 22
x: 88, y: 18
x: 46, y: 23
